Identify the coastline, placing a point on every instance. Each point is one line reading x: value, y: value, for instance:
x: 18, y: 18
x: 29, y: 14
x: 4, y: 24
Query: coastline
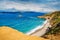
x: 39, y: 30
x: 44, y: 29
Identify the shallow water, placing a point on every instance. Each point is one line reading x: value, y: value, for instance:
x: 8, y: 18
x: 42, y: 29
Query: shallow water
x: 20, y: 23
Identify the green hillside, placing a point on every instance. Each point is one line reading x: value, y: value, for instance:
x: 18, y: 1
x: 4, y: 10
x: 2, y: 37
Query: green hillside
x: 55, y: 22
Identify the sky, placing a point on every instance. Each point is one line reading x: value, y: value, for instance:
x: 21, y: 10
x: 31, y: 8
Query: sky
x: 30, y: 5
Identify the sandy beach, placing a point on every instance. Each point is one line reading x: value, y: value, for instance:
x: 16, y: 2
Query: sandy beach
x: 40, y: 30
x: 7, y: 33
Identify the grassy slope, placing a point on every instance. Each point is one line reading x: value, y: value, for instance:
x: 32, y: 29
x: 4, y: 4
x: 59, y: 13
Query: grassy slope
x: 55, y: 22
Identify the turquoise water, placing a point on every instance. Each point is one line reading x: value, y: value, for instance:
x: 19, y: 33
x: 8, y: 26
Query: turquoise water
x: 23, y: 24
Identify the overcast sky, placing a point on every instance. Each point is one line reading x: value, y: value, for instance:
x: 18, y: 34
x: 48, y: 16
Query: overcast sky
x: 31, y: 5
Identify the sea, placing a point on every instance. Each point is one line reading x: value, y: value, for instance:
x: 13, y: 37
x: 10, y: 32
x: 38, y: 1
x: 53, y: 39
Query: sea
x: 21, y: 21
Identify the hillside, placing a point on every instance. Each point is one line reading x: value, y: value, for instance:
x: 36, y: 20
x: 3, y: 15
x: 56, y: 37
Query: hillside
x: 7, y: 33
x: 54, y: 32
x: 54, y: 17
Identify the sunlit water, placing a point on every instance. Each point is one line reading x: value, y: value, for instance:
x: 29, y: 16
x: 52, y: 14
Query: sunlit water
x: 21, y: 22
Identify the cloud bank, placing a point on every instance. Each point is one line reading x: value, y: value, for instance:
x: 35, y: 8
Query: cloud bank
x: 30, y: 5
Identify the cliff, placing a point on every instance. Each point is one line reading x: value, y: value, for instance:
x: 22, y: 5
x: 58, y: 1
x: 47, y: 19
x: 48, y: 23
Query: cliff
x: 54, y: 32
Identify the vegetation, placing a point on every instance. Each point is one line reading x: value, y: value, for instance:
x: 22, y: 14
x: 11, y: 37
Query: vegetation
x: 55, y: 22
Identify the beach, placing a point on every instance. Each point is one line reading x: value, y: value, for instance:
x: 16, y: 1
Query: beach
x: 39, y: 31
x: 7, y: 33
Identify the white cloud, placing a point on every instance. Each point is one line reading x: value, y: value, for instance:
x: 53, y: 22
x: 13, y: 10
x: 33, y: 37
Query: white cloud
x: 26, y: 7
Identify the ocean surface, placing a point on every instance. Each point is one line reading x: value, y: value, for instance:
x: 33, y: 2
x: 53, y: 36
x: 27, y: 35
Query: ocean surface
x: 21, y: 21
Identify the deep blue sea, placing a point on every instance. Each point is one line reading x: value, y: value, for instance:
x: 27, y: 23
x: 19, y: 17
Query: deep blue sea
x: 21, y: 21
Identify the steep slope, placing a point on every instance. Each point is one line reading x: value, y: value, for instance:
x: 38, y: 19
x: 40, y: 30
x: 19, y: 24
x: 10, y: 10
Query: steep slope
x: 7, y: 33
x: 54, y: 32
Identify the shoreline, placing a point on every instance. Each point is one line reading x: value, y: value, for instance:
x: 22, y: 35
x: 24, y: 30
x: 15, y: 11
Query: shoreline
x: 38, y: 30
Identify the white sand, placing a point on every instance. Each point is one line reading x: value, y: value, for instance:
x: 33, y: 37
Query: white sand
x: 40, y: 30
